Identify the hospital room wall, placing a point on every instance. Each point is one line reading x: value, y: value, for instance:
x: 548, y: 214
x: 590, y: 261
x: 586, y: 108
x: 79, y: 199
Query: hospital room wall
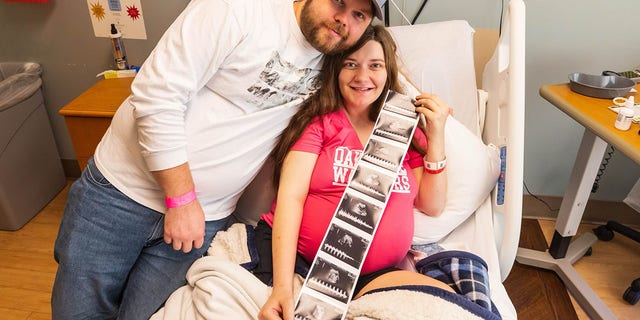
x: 562, y: 37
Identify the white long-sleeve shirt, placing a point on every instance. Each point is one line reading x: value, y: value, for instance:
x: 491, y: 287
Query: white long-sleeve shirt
x: 216, y: 92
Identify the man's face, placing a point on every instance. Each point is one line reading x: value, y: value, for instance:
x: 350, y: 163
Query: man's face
x: 332, y: 26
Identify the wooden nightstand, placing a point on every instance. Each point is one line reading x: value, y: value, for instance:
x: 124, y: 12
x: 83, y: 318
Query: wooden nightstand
x: 89, y: 115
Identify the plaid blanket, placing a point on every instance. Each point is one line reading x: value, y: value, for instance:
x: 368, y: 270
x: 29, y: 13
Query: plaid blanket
x: 465, y: 272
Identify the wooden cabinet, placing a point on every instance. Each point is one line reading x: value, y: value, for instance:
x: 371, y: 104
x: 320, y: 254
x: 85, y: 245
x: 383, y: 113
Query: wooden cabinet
x: 89, y: 115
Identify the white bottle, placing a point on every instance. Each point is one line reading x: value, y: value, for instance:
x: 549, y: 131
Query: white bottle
x: 630, y: 103
x: 623, y: 121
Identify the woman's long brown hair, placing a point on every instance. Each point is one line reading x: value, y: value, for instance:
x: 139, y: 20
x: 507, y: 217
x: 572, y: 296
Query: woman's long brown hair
x: 328, y: 98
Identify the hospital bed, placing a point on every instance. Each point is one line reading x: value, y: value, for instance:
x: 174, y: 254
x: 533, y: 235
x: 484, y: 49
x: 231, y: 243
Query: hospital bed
x: 480, y: 73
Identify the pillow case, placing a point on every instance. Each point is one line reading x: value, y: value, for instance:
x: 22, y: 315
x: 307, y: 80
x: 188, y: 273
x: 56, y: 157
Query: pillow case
x: 438, y: 58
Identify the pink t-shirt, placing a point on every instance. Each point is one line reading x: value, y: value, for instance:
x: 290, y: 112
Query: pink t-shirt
x: 335, y: 141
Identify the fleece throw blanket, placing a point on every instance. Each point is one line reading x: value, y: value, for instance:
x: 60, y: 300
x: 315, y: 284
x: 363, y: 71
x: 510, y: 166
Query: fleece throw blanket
x: 219, y: 287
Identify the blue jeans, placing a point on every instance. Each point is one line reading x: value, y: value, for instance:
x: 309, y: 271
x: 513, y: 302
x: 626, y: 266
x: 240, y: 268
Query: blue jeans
x: 112, y: 260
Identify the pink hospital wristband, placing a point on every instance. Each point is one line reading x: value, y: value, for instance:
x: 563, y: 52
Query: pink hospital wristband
x: 179, y: 201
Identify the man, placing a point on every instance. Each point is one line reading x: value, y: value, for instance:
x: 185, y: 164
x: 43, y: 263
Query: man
x: 205, y: 109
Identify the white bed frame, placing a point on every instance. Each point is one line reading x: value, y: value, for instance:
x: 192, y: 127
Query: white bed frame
x: 504, y: 80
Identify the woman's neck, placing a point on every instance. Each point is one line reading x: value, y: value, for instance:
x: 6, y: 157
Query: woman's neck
x: 360, y: 122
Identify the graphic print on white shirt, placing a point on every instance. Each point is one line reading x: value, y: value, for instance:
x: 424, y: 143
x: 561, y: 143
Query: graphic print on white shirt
x: 344, y: 161
x: 281, y: 82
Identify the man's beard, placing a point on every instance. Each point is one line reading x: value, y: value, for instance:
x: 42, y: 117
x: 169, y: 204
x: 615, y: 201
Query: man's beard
x: 311, y: 28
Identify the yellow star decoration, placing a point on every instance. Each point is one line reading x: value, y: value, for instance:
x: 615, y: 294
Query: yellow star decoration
x: 97, y: 10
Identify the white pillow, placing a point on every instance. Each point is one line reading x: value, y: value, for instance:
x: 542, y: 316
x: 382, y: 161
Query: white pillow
x: 438, y: 58
x: 472, y: 172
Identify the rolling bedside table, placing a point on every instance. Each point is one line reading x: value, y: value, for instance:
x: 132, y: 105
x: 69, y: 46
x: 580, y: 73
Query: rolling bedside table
x: 89, y: 115
x: 598, y: 121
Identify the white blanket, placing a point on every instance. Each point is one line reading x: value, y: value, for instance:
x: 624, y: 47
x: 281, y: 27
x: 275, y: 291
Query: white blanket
x: 216, y: 289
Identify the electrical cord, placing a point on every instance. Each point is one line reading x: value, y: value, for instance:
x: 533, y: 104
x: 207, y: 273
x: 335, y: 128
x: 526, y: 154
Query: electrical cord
x: 603, y: 167
x: 424, y: 3
x: 501, y: 17
x: 400, y: 11
x: 594, y: 188
x: 538, y: 198
x: 415, y: 18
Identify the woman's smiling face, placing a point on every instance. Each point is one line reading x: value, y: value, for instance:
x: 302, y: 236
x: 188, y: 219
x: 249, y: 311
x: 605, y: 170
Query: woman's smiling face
x: 363, y: 76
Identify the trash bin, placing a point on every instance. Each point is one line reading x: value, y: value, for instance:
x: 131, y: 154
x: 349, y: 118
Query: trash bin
x: 30, y: 170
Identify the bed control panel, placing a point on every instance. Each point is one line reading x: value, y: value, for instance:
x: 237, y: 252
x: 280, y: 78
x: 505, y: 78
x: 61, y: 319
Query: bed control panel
x: 501, y: 178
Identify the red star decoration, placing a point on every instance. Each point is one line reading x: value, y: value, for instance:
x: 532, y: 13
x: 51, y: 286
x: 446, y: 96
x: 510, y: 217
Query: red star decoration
x: 133, y: 12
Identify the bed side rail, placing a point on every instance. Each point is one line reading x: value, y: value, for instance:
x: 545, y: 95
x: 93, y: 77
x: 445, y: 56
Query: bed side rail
x: 504, y: 80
